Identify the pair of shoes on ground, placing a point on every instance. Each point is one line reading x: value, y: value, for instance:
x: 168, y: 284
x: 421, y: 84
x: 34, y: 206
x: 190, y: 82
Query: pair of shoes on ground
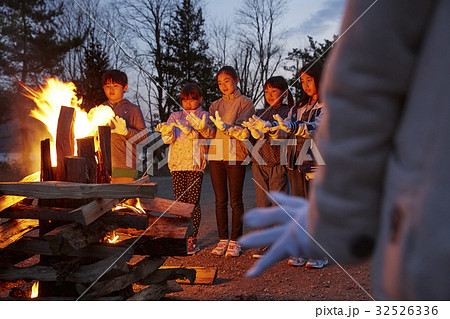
x: 229, y: 248
x: 192, y: 246
x: 308, y: 262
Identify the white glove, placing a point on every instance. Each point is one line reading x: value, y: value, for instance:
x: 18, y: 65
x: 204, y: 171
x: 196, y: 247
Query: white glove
x: 238, y: 133
x: 261, y: 125
x: 196, y: 122
x: 218, y: 122
x: 164, y: 128
x: 287, y: 238
x: 120, y: 126
x: 286, y: 126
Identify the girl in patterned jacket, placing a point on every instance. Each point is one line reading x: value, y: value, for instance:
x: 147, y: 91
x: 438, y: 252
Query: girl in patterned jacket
x: 187, y: 154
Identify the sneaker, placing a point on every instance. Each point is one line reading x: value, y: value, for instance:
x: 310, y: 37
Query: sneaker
x: 317, y: 263
x: 260, y: 253
x: 234, y: 249
x: 192, y: 247
x: 221, y: 248
x: 297, y: 261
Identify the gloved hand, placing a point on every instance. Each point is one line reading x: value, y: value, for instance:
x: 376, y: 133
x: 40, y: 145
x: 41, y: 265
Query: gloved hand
x: 120, y: 126
x: 186, y: 129
x: 255, y: 133
x: 197, y: 123
x: 260, y: 125
x: 164, y: 128
x: 238, y: 132
x: 286, y: 126
x: 218, y: 122
x: 287, y: 238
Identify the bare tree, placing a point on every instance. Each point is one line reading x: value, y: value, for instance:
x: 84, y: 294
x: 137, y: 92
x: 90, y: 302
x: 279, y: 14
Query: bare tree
x: 259, y: 22
x: 219, y: 33
x: 145, y: 20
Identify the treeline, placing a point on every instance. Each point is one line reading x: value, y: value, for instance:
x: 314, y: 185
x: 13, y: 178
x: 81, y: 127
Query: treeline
x: 161, y: 44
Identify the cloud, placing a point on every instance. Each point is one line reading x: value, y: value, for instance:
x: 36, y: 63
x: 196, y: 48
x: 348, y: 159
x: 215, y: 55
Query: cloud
x: 320, y: 21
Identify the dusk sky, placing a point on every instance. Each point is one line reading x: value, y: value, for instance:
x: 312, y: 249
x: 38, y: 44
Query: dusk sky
x: 318, y: 18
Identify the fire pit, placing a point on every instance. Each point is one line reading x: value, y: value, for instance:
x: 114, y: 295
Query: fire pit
x: 93, y: 242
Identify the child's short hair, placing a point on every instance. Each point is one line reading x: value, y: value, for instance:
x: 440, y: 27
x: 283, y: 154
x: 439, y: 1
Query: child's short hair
x: 191, y: 91
x: 228, y: 70
x: 115, y: 76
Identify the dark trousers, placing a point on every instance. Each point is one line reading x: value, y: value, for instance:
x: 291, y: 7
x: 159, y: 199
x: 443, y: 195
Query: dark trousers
x: 227, y: 179
x: 298, y: 183
x: 268, y: 179
x: 187, y: 186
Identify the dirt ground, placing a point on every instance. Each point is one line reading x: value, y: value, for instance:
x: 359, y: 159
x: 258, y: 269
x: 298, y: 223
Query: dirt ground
x: 281, y: 282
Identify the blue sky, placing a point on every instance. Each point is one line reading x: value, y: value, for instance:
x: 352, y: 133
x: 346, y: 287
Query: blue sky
x: 317, y: 18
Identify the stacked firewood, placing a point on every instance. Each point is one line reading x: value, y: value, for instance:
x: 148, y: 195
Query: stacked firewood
x: 75, y: 209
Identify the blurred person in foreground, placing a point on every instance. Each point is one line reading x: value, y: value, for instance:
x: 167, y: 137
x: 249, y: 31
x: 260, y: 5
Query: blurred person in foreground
x: 385, y: 143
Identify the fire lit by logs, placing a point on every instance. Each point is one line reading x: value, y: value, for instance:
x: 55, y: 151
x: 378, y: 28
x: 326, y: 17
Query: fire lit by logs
x: 35, y: 290
x: 55, y: 94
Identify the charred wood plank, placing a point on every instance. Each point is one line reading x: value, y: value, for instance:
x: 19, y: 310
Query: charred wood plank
x: 84, y: 274
x: 167, y: 206
x: 137, y: 272
x: 58, y: 189
x: 86, y: 150
x: 104, y: 155
x: 156, y: 291
x: 164, y: 274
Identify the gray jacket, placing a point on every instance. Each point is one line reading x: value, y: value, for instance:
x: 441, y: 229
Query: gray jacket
x: 386, y: 144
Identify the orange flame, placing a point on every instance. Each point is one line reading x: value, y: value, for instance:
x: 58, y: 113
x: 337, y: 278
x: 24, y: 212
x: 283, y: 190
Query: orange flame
x: 55, y: 94
x: 112, y: 237
x: 132, y: 204
x: 35, y: 290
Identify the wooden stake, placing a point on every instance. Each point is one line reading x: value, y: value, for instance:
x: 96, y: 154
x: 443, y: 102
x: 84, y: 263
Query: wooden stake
x: 86, y: 149
x: 104, y: 155
x: 65, y: 139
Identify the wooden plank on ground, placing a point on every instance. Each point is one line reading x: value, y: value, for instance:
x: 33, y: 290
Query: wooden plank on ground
x: 204, y: 275
x: 7, y: 201
x: 14, y: 229
x: 57, y: 189
x: 166, y: 273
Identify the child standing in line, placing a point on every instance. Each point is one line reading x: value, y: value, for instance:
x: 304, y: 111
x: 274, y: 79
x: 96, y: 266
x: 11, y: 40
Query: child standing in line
x: 128, y: 122
x: 226, y: 154
x: 187, y: 154
x: 301, y: 124
x: 269, y: 172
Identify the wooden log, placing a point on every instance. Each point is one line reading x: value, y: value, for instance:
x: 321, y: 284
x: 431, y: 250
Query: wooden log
x: 74, y: 236
x: 65, y: 139
x: 88, y: 213
x: 156, y: 291
x: 35, y: 245
x: 165, y: 273
x: 203, y: 275
x: 7, y: 200
x: 86, y: 150
x: 104, y: 155
x: 46, y: 161
x: 167, y: 206
x: 139, y: 271
x: 58, y: 189
x: 84, y: 274
x: 15, y: 229
x: 76, y: 169
x: 157, y: 246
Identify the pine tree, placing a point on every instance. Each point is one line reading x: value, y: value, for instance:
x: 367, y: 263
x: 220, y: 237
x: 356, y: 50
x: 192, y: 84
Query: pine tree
x: 96, y: 62
x: 31, y: 47
x: 185, y: 58
x: 300, y: 57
